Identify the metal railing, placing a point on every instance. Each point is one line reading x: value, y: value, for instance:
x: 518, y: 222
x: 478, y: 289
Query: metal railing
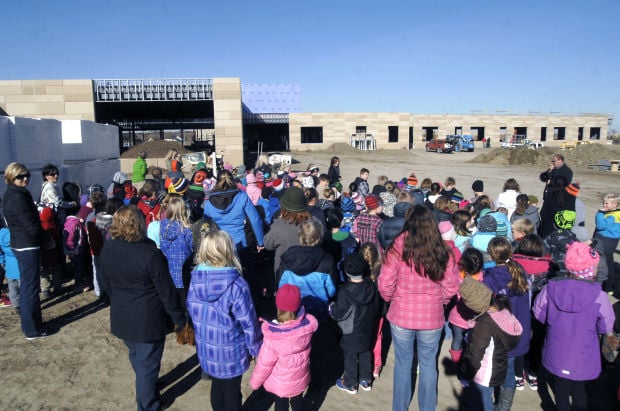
x: 117, y: 90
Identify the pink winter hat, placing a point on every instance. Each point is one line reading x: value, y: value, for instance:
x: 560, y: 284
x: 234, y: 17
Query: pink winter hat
x: 581, y: 260
x: 447, y: 231
x: 250, y: 178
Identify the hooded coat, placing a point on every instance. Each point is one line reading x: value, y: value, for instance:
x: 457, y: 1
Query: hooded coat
x: 355, y: 310
x: 175, y: 242
x: 230, y: 210
x: 283, y: 364
x: 576, y: 312
x: 314, y: 272
x: 486, y: 355
x: 225, y: 323
x: 531, y: 213
x: 497, y: 279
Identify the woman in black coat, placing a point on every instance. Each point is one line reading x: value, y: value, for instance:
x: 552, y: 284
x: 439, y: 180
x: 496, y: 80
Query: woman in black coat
x: 143, y: 299
x: 27, y: 237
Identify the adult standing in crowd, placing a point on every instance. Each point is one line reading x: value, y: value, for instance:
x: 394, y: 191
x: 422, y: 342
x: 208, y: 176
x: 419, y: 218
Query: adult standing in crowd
x: 139, y: 171
x: 142, y: 299
x: 557, y: 167
x: 27, y: 237
x: 418, y: 277
x: 50, y: 193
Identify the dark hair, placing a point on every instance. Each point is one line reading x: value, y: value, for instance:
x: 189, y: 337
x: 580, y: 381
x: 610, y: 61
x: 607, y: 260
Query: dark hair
x: 501, y: 302
x: 558, y: 186
x: 112, y: 205
x: 48, y: 169
x: 333, y: 218
x: 353, y: 187
x: 531, y: 245
x: 471, y: 261
x: 522, y: 203
x: 459, y: 220
x: 333, y: 160
x: 310, y: 194
x: 435, y: 188
x: 364, y: 170
x: 511, y: 184
x: 423, y: 245
x: 148, y: 188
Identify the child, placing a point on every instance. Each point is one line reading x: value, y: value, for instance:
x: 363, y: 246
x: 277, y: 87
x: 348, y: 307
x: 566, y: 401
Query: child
x: 508, y: 277
x: 9, y: 262
x: 449, y: 187
x: 355, y: 311
x: 463, y: 222
x: 557, y: 241
x: 74, y: 236
x: 327, y: 199
x: 526, y: 210
x: 520, y: 228
x: 225, y: 323
x: 487, y: 230
x: 470, y: 265
x: 366, y: 226
x: 495, y: 333
x: 362, y: 182
x: 283, y: 363
x: 371, y: 255
x: 333, y: 173
x: 607, y: 233
x: 576, y: 311
x: 148, y: 204
x: 176, y: 240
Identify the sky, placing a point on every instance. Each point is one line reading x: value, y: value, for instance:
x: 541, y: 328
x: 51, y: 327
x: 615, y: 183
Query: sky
x: 420, y: 57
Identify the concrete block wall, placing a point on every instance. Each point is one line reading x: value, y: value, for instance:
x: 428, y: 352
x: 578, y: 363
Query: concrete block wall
x: 59, y: 99
x: 228, y: 118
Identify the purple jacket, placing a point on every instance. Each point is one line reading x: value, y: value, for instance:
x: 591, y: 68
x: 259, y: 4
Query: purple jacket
x: 175, y: 242
x: 575, y: 312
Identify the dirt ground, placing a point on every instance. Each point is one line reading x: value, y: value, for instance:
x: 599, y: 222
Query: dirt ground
x: 83, y: 367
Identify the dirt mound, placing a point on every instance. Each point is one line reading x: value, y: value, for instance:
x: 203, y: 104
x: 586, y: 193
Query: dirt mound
x: 580, y: 156
x: 155, y: 149
x: 340, y: 148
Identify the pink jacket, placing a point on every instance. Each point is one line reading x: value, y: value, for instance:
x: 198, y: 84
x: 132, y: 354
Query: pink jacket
x: 254, y: 192
x: 417, y: 303
x: 283, y: 363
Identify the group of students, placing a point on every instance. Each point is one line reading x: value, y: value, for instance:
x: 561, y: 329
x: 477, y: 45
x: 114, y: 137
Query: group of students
x: 418, y: 255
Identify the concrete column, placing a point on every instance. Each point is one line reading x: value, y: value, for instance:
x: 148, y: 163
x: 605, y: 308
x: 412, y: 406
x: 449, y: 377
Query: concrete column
x: 228, y: 118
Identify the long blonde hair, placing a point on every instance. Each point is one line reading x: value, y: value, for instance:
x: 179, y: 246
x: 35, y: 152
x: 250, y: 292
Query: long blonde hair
x: 176, y: 210
x: 217, y: 250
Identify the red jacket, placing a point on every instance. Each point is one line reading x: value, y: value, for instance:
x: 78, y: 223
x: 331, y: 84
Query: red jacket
x: 417, y: 303
x: 283, y: 363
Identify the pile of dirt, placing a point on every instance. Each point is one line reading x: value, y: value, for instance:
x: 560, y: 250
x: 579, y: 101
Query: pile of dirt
x: 341, y: 148
x: 155, y: 149
x: 581, y: 156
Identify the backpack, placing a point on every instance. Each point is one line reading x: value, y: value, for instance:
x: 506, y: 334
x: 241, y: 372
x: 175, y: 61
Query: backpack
x: 72, y: 236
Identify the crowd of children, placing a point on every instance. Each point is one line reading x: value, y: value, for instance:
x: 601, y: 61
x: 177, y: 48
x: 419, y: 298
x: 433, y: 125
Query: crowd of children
x: 235, y: 240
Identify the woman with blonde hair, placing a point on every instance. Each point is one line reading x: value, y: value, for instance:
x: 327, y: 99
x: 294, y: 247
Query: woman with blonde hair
x: 226, y: 327
x: 142, y: 299
x: 27, y: 238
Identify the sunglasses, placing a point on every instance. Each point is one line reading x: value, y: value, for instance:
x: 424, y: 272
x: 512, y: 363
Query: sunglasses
x: 53, y: 174
x: 22, y: 176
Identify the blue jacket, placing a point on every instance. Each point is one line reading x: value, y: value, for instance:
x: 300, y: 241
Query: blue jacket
x: 497, y: 279
x: 608, y: 224
x: 230, y: 209
x: 225, y: 323
x: 314, y: 272
x: 6, y: 255
x: 176, y: 244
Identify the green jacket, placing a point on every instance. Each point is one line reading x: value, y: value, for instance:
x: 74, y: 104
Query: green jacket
x: 139, y: 170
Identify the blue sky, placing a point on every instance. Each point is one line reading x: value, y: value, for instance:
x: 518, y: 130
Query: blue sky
x: 411, y: 56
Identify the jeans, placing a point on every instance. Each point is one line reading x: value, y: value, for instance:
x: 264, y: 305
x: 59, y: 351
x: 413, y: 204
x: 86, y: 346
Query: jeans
x: 509, y: 381
x: 458, y: 334
x: 14, y: 293
x: 226, y: 394
x: 145, y: 359
x: 29, y: 262
x: 427, y: 347
x: 486, y: 397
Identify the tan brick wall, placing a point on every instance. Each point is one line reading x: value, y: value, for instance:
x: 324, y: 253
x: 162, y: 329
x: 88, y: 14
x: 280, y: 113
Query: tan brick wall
x: 59, y: 99
x: 228, y: 119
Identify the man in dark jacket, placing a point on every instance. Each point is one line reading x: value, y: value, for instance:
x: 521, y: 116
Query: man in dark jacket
x: 355, y: 310
x: 143, y: 299
x: 556, y: 168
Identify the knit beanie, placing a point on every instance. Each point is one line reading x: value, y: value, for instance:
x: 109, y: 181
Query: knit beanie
x: 199, y: 176
x: 412, y: 181
x: 288, y: 298
x: 201, y: 165
x: 178, y: 185
x: 502, y: 228
x: 250, y: 179
x: 278, y: 184
x: 355, y: 266
x: 447, y: 231
x: 372, y: 202
x: 565, y: 219
x: 119, y: 177
x: 581, y: 260
x: 228, y: 167
x: 532, y: 199
x: 573, y: 189
x: 293, y: 200
x: 457, y: 197
x: 346, y: 204
x: 476, y: 296
x: 487, y: 224
x: 478, y: 186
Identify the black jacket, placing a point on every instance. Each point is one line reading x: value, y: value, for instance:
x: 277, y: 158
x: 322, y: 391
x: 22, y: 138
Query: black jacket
x: 304, y: 260
x: 22, y: 218
x: 356, y: 309
x: 143, y: 297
